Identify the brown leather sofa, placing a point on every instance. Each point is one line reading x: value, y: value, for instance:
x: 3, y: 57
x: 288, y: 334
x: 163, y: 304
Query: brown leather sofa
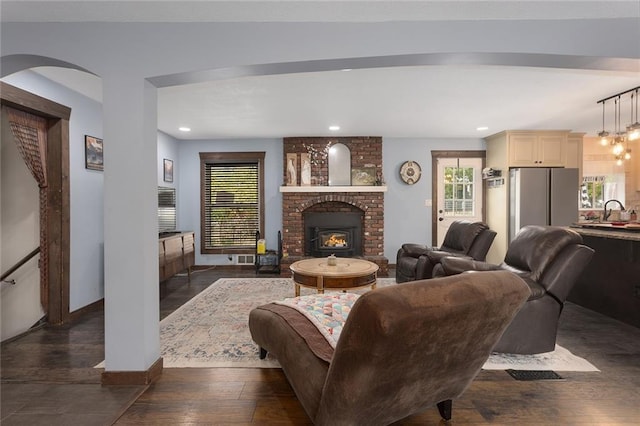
x: 550, y: 260
x: 403, y: 348
x: 464, y: 238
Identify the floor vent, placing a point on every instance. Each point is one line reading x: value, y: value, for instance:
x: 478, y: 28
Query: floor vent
x: 245, y: 259
x: 533, y: 375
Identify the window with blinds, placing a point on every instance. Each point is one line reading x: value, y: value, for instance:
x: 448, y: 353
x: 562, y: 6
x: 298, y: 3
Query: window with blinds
x: 166, y: 209
x: 231, y: 201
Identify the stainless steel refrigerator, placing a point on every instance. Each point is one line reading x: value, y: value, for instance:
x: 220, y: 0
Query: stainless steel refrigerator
x: 542, y: 196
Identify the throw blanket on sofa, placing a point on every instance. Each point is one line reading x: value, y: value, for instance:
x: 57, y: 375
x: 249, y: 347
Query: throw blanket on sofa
x: 328, y: 312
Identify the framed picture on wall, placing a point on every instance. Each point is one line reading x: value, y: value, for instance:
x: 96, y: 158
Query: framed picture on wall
x: 292, y: 167
x: 305, y: 169
x: 365, y: 176
x: 93, y: 159
x: 168, y: 170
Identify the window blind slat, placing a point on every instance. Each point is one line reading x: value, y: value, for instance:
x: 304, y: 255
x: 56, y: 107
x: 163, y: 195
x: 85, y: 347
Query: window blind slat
x: 166, y: 209
x: 232, y: 210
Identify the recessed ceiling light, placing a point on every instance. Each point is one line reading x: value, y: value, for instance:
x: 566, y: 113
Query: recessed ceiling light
x: 346, y: 69
x: 482, y: 128
x: 334, y: 128
x: 184, y: 129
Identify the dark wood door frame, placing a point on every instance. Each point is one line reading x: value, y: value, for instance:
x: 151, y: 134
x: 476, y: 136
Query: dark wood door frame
x: 58, y: 222
x: 435, y: 155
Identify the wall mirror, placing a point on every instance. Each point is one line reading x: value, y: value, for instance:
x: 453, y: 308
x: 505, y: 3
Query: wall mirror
x: 339, y: 165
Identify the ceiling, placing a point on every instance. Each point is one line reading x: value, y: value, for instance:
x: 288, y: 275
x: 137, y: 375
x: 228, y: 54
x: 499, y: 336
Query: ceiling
x: 308, y: 10
x: 439, y: 101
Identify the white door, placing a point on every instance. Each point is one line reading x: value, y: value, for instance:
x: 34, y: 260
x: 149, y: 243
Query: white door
x: 459, y: 192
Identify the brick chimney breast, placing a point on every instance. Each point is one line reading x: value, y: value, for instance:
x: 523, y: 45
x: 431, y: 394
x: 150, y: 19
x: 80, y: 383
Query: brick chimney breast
x: 365, y: 152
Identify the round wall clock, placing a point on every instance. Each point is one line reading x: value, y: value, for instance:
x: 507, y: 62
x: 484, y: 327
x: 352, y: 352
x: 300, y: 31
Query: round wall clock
x: 410, y: 172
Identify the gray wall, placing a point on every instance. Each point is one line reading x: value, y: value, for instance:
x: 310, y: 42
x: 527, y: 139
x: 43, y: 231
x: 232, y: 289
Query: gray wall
x: 168, y: 148
x: 189, y: 187
x: 406, y: 218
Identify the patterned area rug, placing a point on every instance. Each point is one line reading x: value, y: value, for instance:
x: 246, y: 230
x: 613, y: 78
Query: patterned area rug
x: 558, y: 360
x: 211, y: 330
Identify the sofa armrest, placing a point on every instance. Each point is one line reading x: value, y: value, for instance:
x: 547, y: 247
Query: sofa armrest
x: 456, y: 265
x: 435, y: 256
x: 427, y: 263
x: 415, y: 250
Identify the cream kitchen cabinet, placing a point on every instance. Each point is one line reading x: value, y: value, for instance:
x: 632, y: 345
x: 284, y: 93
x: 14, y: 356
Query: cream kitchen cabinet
x: 574, y: 155
x: 537, y: 149
x: 522, y: 148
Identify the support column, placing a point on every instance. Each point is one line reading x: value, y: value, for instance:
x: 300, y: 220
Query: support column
x: 132, y: 337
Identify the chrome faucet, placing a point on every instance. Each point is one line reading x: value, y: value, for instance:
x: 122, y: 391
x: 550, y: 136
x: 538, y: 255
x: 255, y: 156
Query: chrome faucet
x: 607, y: 214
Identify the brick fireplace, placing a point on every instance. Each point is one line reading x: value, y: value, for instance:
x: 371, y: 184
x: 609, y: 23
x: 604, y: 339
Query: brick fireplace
x: 367, y: 202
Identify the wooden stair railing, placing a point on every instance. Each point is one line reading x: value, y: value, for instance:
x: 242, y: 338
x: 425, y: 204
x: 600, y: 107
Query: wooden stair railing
x: 17, y: 266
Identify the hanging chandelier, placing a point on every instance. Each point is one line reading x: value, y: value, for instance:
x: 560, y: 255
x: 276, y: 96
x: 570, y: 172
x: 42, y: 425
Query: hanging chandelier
x: 618, y: 139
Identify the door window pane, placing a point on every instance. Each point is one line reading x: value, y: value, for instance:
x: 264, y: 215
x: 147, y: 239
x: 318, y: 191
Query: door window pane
x: 458, y: 191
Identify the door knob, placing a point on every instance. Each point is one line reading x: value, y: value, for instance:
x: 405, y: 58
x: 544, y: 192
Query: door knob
x: 440, y: 219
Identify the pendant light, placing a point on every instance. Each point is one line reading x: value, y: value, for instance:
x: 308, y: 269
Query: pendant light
x: 633, y: 130
x: 603, y: 134
x: 618, y: 147
x: 619, y: 140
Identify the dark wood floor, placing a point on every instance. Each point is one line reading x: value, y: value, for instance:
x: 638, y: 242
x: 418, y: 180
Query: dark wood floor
x: 48, y: 378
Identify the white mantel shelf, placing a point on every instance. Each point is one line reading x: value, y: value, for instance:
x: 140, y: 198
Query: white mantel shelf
x: 381, y: 188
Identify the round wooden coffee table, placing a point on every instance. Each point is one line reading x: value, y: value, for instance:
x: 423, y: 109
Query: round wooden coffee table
x: 345, y: 274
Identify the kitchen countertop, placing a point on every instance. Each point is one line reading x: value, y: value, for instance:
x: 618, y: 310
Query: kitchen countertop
x: 607, y: 230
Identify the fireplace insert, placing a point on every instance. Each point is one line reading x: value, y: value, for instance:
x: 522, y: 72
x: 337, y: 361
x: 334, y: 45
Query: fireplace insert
x: 333, y: 233
x: 338, y: 241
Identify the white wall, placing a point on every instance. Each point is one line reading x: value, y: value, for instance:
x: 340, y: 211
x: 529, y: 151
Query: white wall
x: 19, y: 234
x: 87, y: 238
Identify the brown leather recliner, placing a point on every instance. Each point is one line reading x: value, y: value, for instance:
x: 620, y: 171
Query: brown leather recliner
x: 403, y: 348
x: 464, y: 238
x: 549, y: 259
